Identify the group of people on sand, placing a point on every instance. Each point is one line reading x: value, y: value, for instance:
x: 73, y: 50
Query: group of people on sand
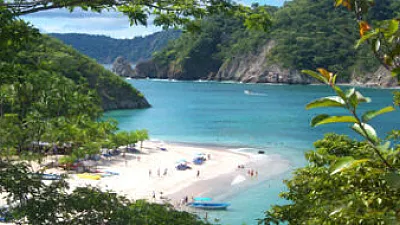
x: 252, y: 172
x: 165, y: 173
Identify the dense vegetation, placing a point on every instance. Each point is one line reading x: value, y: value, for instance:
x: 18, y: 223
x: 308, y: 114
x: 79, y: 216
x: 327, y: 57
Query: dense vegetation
x: 48, y: 54
x: 50, y: 93
x: 105, y: 49
x: 349, y: 181
x: 306, y: 32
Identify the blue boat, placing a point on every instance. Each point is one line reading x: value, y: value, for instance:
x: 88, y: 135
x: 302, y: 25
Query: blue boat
x: 50, y: 176
x: 45, y: 176
x: 209, y: 205
x: 202, y: 199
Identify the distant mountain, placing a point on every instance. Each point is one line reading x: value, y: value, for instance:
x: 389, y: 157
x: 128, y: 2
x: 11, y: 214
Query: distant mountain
x: 306, y: 34
x: 105, y: 49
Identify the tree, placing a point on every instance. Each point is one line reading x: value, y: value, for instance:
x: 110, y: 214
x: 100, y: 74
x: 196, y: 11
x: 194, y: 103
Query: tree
x: 347, y: 181
x: 34, y: 202
x: 167, y: 13
x: 141, y: 136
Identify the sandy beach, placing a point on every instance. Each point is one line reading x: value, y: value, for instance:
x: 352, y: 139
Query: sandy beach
x: 153, y: 171
x: 219, y: 176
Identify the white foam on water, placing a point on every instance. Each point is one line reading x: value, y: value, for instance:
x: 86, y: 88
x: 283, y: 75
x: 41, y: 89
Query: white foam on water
x: 238, y: 179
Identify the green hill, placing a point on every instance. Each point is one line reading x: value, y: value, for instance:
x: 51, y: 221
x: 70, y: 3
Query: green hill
x: 306, y: 34
x: 105, y: 49
x: 44, y: 54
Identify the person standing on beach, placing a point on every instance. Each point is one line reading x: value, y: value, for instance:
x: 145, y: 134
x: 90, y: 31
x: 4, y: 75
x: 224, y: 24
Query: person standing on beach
x: 165, y: 171
x: 198, y: 173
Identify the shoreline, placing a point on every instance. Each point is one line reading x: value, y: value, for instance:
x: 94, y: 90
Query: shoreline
x: 372, y: 86
x: 219, y: 176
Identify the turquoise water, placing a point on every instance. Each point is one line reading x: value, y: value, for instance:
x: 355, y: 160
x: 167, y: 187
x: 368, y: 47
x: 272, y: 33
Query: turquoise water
x: 269, y: 117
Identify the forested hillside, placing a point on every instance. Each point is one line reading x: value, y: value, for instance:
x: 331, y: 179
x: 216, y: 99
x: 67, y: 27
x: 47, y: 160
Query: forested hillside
x: 105, y: 49
x: 44, y: 54
x: 306, y: 34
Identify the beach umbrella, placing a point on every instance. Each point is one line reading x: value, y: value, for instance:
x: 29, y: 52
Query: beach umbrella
x: 182, y: 161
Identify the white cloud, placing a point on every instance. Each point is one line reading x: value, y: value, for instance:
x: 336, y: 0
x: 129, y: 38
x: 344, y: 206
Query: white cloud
x: 111, y: 24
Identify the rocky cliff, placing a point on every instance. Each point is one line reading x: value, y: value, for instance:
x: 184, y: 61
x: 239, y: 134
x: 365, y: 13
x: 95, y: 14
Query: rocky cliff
x: 380, y: 78
x: 122, y: 67
x: 250, y: 68
x: 254, y: 68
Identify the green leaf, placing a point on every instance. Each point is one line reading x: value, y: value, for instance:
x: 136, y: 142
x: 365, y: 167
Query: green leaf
x: 366, y: 37
x: 384, y: 147
x: 393, y: 180
x: 325, y: 119
x: 396, y: 72
x: 340, y: 92
x: 350, y: 92
x: 315, y: 75
x: 338, y: 3
x: 346, y: 163
x: 370, y: 131
x: 331, y: 101
x: 333, y: 81
x: 392, y: 27
x: 367, y: 116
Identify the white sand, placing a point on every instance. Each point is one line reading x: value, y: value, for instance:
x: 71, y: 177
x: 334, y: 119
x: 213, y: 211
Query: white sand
x: 134, y: 181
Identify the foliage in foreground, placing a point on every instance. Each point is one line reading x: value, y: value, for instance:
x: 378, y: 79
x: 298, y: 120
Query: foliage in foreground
x: 33, y: 202
x: 347, y: 181
x: 361, y: 195
x: 44, y: 98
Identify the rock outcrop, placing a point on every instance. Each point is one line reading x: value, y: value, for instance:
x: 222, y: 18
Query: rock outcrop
x: 380, y: 78
x: 122, y: 67
x: 253, y: 68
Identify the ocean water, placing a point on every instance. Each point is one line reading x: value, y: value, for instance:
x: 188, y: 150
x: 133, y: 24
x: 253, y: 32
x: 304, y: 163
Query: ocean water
x: 254, y: 117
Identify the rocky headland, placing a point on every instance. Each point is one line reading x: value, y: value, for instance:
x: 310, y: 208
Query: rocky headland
x: 252, y: 68
x: 122, y: 67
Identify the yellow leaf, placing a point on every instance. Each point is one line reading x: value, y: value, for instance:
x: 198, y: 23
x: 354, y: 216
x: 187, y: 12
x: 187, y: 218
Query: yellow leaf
x: 347, y: 4
x: 338, y: 2
x: 364, y: 27
x: 325, y: 73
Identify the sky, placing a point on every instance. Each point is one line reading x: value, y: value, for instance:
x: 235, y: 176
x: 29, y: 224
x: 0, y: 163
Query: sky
x: 112, y: 24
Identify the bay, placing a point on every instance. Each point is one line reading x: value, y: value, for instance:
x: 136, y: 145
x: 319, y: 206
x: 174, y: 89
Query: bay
x: 253, y: 117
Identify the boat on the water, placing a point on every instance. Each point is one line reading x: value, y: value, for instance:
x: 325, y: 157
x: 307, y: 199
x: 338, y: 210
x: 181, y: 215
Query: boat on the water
x: 209, y: 205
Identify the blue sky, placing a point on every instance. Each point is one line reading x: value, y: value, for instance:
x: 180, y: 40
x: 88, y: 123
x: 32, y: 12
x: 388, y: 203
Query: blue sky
x: 111, y: 24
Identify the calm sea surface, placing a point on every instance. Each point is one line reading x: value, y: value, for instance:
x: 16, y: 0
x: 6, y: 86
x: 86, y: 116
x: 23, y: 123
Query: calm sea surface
x: 269, y: 117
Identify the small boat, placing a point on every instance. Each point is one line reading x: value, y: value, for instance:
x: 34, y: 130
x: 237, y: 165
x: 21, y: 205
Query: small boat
x: 45, y: 176
x: 50, y: 176
x: 202, y: 199
x: 209, y: 205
